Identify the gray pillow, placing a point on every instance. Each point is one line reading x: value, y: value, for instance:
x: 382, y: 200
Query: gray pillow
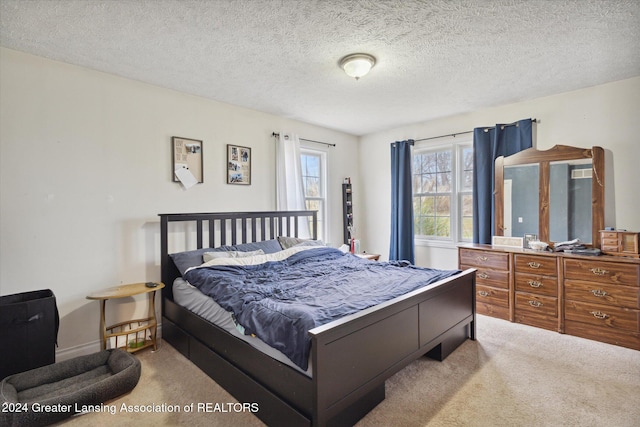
x: 268, y: 246
x: 188, y: 259
x: 289, y: 242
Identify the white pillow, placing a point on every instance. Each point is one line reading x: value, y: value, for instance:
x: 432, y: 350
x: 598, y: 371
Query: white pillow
x: 208, y: 256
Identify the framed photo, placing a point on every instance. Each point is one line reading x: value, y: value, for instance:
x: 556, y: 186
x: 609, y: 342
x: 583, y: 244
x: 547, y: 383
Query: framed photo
x: 529, y: 238
x: 186, y: 160
x: 238, y: 165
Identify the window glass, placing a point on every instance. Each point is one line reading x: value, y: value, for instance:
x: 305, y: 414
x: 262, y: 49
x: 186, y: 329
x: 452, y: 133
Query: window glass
x: 443, y: 192
x: 313, y: 180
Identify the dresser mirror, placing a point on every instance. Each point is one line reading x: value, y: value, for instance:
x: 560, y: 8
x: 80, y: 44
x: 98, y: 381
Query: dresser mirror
x: 556, y: 194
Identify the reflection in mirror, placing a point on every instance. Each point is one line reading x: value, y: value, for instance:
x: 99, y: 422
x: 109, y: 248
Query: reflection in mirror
x: 521, y: 201
x: 565, y: 205
x: 570, y: 200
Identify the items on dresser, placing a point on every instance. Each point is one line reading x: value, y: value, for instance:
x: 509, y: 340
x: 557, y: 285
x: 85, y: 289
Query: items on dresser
x: 620, y: 243
x: 591, y: 297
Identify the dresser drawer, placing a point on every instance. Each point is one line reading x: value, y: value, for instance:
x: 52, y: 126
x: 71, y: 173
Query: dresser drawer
x: 542, y: 305
x: 616, y: 295
x: 603, y: 334
x: 602, y: 271
x: 488, y: 295
x: 498, y: 279
x: 610, y: 242
x: 496, y: 311
x: 543, y: 285
x: 494, y: 260
x: 536, y: 265
x: 619, y: 318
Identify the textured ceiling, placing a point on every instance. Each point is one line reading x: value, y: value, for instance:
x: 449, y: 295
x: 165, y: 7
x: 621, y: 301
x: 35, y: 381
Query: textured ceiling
x: 435, y: 57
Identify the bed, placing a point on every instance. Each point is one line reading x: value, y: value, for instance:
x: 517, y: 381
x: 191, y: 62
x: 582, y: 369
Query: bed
x: 350, y: 358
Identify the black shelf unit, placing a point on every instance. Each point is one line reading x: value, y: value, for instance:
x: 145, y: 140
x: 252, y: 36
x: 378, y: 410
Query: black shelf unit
x: 347, y: 210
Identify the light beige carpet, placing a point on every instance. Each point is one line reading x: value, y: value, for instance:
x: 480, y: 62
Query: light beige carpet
x: 513, y: 375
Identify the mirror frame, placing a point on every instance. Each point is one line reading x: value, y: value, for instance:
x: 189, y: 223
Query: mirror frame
x: 544, y: 158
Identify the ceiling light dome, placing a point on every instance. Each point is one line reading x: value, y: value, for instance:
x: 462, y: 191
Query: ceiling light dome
x: 357, y: 64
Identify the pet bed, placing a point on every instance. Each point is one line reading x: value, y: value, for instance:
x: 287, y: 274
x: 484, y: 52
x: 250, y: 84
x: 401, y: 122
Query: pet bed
x: 51, y: 393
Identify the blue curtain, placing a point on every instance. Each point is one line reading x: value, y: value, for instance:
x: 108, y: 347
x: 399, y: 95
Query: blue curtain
x: 402, y: 247
x: 488, y: 145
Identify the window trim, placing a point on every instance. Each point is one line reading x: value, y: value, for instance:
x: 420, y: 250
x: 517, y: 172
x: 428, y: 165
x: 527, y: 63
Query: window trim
x: 456, y: 145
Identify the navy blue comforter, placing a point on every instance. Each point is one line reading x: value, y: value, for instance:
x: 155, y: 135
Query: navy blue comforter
x: 280, y: 301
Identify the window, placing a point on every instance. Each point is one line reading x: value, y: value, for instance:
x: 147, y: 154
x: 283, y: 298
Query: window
x: 443, y: 192
x: 314, y: 183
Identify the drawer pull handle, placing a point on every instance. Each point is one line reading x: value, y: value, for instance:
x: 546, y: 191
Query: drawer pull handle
x: 599, y: 293
x: 483, y: 275
x: 482, y: 258
x: 535, y: 265
x: 598, y: 271
x: 483, y: 293
x: 599, y: 315
x: 534, y: 284
x: 535, y: 303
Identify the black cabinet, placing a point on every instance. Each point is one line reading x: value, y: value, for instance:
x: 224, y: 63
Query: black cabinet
x: 347, y: 209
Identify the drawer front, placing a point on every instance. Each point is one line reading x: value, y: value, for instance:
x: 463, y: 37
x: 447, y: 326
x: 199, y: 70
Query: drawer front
x: 542, y: 285
x: 610, y: 248
x: 496, y: 311
x: 534, y: 319
x: 498, y: 279
x: 536, y: 265
x: 542, y: 305
x: 488, y: 295
x: 602, y: 272
x: 609, y: 235
x: 602, y: 315
x: 615, y: 295
x: 494, y: 260
x: 603, y: 334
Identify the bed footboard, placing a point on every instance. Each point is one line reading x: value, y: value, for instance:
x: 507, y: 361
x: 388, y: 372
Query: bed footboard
x: 353, y: 357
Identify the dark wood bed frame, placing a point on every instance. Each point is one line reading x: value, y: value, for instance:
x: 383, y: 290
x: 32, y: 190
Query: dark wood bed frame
x: 351, y: 357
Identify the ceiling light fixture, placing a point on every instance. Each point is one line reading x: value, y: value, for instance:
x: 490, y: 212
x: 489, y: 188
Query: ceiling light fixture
x: 357, y: 64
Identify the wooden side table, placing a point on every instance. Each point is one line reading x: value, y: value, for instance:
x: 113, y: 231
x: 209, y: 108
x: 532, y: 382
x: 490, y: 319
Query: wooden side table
x: 133, y: 332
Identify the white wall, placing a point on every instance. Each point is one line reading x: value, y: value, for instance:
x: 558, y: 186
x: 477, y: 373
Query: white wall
x: 606, y: 116
x: 86, y: 167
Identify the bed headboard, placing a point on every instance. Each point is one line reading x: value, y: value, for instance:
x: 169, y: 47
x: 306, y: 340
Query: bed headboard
x: 229, y: 228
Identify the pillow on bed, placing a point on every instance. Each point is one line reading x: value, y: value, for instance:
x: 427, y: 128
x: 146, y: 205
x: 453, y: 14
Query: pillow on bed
x: 289, y: 242
x: 208, y: 256
x: 268, y: 246
x: 188, y: 259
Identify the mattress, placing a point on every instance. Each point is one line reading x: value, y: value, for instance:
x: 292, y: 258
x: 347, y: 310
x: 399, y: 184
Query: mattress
x: 192, y: 299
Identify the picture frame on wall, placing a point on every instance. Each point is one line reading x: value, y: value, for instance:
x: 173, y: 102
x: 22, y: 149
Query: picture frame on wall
x: 238, y: 165
x: 187, y: 166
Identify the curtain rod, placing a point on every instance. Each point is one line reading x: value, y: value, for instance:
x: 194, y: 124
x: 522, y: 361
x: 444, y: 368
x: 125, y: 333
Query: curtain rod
x: 470, y: 131
x: 308, y: 140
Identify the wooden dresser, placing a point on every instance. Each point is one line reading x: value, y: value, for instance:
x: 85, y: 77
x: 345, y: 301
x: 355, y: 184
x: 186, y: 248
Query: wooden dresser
x: 592, y: 297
